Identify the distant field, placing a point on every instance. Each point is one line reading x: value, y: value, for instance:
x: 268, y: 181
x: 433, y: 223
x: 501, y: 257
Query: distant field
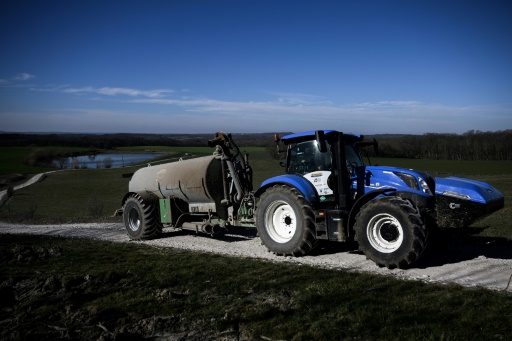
x: 192, y: 150
x: 199, y: 151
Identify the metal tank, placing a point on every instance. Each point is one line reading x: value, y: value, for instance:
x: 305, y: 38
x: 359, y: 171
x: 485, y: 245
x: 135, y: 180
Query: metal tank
x: 198, y: 180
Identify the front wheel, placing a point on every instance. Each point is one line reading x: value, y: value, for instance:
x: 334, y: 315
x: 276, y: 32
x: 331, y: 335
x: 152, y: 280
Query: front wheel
x: 286, y: 222
x: 390, y: 232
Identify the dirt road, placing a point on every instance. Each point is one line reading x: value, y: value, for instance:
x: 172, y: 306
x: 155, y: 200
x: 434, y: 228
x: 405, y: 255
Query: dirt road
x: 467, y: 262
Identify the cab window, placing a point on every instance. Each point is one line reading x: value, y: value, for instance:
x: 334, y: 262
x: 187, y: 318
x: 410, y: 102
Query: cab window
x: 305, y: 157
x: 353, y: 156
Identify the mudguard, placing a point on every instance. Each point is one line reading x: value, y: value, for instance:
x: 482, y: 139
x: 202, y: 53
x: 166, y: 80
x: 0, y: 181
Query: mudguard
x: 298, y: 182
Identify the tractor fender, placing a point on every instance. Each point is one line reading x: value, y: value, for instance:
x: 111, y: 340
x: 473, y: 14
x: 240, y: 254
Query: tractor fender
x: 301, y: 184
x: 119, y: 211
x: 126, y: 196
x: 363, y: 200
x: 419, y: 201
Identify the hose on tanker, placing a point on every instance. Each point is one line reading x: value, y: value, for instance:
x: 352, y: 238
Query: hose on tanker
x: 237, y: 164
x: 226, y: 143
x: 237, y: 152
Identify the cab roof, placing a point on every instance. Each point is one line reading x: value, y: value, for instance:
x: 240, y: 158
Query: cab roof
x: 311, y: 135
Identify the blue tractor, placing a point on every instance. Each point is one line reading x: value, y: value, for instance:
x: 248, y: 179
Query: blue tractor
x: 327, y: 193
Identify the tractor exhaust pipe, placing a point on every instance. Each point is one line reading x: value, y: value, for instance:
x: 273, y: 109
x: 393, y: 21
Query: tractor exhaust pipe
x: 202, y: 227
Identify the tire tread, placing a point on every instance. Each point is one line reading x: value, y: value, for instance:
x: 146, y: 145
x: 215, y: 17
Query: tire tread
x: 308, y: 241
x: 420, y: 233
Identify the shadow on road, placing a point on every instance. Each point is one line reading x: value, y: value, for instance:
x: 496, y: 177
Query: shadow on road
x: 444, y: 247
x: 230, y: 235
x: 455, y: 247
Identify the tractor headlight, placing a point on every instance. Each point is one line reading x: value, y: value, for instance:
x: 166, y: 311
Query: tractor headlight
x: 424, y: 186
x: 410, y: 180
x: 456, y: 195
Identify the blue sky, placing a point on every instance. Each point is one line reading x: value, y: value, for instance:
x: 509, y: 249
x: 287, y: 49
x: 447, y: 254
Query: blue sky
x: 382, y: 66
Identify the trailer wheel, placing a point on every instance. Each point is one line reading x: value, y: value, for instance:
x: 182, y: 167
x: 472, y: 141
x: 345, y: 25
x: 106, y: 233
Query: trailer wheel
x: 286, y: 222
x: 140, y: 219
x: 390, y: 231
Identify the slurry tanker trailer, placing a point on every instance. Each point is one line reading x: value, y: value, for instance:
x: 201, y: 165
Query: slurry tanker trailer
x: 326, y: 193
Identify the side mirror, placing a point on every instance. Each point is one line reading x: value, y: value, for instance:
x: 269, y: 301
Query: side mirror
x: 277, y: 139
x: 353, y: 170
x: 320, y: 140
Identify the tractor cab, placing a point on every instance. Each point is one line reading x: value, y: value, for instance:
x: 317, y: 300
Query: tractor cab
x: 315, y: 156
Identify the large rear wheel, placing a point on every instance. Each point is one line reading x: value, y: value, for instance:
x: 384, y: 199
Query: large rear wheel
x: 286, y: 222
x: 390, y: 232
x: 140, y: 218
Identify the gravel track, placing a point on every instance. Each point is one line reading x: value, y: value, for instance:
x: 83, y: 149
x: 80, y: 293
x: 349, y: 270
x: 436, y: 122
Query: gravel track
x: 31, y: 181
x: 465, y: 262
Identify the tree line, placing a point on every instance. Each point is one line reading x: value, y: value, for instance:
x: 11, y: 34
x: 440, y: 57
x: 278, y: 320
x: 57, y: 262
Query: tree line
x: 470, y: 146
x: 111, y: 141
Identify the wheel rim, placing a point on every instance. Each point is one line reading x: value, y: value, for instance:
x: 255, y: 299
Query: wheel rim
x: 385, y: 233
x: 134, y: 220
x: 280, y: 221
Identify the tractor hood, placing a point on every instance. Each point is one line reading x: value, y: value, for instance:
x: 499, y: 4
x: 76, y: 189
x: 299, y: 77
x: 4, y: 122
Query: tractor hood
x: 467, y: 189
x: 400, y: 179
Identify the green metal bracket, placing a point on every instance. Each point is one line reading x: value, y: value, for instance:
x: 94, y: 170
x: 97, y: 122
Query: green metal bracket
x: 165, y: 211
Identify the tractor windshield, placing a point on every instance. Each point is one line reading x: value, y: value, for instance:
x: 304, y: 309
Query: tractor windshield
x: 305, y: 157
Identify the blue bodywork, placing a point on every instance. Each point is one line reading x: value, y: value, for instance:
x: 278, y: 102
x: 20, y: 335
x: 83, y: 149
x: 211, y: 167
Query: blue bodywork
x: 453, y: 201
x: 301, y: 184
x: 467, y: 189
x: 407, y: 180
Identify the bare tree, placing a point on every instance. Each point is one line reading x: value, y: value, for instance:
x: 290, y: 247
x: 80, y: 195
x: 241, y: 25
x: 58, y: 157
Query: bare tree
x: 74, y: 163
x: 107, y: 162
x: 62, y: 162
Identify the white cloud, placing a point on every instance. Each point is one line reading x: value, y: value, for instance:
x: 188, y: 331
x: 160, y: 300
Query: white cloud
x: 301, y: 99
x: 107, y: 91
x: 370, y: 117
x: 23, y: 76
x: 176, y: 111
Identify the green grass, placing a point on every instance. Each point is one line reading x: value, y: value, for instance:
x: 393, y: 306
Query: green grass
x: 65, y: 196
x: 87, y: 283
x: 497, y: 224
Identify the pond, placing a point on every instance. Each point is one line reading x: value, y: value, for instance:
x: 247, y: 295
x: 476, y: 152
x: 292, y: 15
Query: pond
x: 104, y: 160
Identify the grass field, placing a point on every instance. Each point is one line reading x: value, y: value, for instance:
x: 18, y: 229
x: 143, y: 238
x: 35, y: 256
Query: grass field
x: 93, y: 290
x: 447, y: 167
